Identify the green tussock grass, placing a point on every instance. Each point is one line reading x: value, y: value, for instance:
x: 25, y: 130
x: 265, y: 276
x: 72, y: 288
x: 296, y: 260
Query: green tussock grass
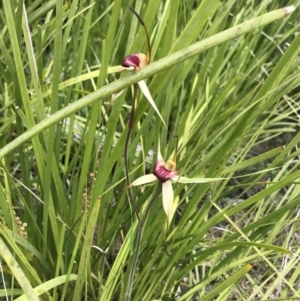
x: 224, y: 76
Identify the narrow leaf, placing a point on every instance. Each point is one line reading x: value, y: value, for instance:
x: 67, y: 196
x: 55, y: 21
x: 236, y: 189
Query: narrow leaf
x: 17, y: 272
x: 144, y: 180
x: 86, y: 249
x: 217, y: 290
x: 227, y: 283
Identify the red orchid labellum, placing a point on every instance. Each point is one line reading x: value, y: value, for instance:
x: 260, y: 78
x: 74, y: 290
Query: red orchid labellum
x: 138, y: 60
x: 135, y: 61
x: 165, y: 171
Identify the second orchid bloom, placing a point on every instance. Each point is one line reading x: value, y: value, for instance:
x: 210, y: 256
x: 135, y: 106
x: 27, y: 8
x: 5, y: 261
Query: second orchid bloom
x: 166, y: 173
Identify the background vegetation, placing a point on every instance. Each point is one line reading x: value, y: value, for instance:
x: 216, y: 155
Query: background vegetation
x: 67, y: 231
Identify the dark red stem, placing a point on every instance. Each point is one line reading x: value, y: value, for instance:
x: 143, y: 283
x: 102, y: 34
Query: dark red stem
x: 146, y: 31
x: 130, y: 126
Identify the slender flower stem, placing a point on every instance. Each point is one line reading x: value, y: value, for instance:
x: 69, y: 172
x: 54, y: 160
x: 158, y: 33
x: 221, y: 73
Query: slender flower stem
x: 130, y: 126
x: 146, y: 31
x: 138, y: 244
x: 134, y: 262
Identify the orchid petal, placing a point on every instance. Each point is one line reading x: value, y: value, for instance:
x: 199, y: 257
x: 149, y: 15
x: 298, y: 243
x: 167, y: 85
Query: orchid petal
x: 114, y: 69
x: 167, y: 198
x: 146, y: 92
x: 185, y: 180
x: 144, y: 180
x: 174, y: 207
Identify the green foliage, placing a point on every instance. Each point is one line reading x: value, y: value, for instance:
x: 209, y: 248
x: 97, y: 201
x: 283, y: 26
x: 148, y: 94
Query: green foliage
x: 224, y: 77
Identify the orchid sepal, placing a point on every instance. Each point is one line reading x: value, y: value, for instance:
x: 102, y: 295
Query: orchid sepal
x: 167, y: 199
x: 147, y: 94
x: 146, y: 179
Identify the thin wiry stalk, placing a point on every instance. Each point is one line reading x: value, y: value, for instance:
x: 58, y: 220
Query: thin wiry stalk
x: 131, y: 118
x: 138, y: 244
x: 130, y: 125
x: 146, y: 31
x: 134, y: 262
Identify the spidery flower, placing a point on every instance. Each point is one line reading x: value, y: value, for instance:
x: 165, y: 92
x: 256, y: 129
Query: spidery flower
x: 166, y: 173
